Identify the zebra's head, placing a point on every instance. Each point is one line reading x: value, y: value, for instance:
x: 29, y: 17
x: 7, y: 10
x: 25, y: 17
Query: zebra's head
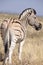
x: 30, y: 15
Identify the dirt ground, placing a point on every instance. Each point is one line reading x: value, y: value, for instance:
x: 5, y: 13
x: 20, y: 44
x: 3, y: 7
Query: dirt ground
x: 32, y: 53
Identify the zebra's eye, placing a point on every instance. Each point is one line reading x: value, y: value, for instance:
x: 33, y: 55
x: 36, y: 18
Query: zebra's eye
x: 29, y: 13
x: 35, y: 17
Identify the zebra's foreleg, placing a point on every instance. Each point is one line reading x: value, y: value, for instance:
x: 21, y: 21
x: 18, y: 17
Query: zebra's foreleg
x: 20, y: 49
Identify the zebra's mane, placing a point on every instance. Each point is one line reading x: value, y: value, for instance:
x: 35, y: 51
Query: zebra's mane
x: 24, y: 12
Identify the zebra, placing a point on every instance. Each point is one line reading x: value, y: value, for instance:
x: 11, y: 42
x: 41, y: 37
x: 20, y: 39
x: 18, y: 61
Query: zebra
x: 13, y: 31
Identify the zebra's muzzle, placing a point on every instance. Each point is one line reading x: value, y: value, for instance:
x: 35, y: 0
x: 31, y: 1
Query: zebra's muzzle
x: 38, y: 27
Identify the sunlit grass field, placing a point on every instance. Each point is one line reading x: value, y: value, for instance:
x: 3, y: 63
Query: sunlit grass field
x: 33, y: 48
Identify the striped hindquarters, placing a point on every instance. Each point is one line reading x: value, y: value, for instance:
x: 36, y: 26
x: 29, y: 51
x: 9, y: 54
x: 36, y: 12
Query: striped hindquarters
x: 17, y: 30
x: 15, y: 27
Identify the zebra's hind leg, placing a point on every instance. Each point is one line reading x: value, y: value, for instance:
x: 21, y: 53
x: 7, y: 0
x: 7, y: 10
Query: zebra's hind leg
x: 11, y: 51
x: 6, y: 55
x: 5, y: 58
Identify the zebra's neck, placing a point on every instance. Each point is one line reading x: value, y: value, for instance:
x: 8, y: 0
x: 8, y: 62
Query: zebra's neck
x: 24, y: 21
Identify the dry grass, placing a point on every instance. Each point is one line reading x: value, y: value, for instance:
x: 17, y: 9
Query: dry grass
x: 33, y: 48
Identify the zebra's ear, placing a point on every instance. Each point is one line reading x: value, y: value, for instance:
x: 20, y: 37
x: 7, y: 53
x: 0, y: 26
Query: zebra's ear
x: 32, y: 11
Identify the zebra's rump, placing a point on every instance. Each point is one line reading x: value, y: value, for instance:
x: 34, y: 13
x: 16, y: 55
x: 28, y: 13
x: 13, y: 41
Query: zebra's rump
x: 17, y: 30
